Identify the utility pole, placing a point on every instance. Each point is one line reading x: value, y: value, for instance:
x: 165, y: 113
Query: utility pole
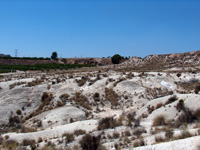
x: 16, y: 52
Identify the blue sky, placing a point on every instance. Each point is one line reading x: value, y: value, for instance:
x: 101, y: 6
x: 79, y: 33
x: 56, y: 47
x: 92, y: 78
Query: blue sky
x: 99, y: 28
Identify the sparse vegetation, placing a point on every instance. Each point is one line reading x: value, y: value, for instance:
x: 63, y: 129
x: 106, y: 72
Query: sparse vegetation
x: 184, y: 134
x: 81, y: 100
x: 96, y: 96
x: 112, y: 96
x: 159, y: 121
x: 79, y: 132
x: 69, y: 137
x: 171, y: 99
x: 89, y: 142
x: 64, y: 97
x: 139, y: 142
x: 107, y: 123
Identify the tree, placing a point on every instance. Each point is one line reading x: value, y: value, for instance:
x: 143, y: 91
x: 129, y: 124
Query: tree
x: 54, y: 56
x: 116, y: 59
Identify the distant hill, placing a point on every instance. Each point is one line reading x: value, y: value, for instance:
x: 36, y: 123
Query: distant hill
x: 165, y: 61
x: 3, y: 55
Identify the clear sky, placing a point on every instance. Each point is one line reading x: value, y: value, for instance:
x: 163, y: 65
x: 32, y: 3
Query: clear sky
x: 98, y: 28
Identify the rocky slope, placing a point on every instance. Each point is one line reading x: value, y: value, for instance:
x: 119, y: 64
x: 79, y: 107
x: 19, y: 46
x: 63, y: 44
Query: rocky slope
x: 161, y: 62
x: 48, y: 108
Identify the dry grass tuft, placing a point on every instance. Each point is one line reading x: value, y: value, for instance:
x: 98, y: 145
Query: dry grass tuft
x: 81, y: 100
x: 112, y: 96
x: 159, y: 121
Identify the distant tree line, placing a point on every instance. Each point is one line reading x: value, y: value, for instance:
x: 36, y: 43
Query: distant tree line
x: 116, y: 59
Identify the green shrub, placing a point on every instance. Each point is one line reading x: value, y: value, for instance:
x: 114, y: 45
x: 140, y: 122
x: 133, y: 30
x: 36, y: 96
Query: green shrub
x: 116, y: 59
x: 180, y: 105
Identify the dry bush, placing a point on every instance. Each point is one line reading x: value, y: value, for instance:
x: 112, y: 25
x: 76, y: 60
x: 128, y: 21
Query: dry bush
x: 158, y: 130
x: 127, y: 133
x: 116, y: 135
x: 40, y: 140
x: 159, y: 121
x: 49, y: 146
x: 129, y: 75
x: 169, y: 134
x: 159, y: 105
x: 197, y: 89
x: 46, y: 99
x: 16, y: 84
x: 178, y: 74
x: 81, y: 100
x: 13, y: 120
x: 96, y: 96
x: 150, y: 109
x: 79, y: 132
x: 127, y: 140
x: 89, y: 142
x: 138, y: 132
x: 132, y: 120
x: 19, y: 112
x: 107, y: 123
x: 69, y: 137
x: 64, y: 97
x: 1, y: 140
x: 118, y: 81
x: 117, y: 147
x: 139, y: 142
x: 7, y: 137
x: 82, y: 81
x: 171, y: 99
x: 159, y: 139
x: 180, y: 105
x: 45, y: 105
x: 27, y: 129
x: 112, y: 96
x: 28, y: 142
x: 10, y: 144
x: 196, y: 114
x: 157, y: 92
x: 59, y: 104
x: 184, y: 134
x: 187, y: 116
x: 35, y: 82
